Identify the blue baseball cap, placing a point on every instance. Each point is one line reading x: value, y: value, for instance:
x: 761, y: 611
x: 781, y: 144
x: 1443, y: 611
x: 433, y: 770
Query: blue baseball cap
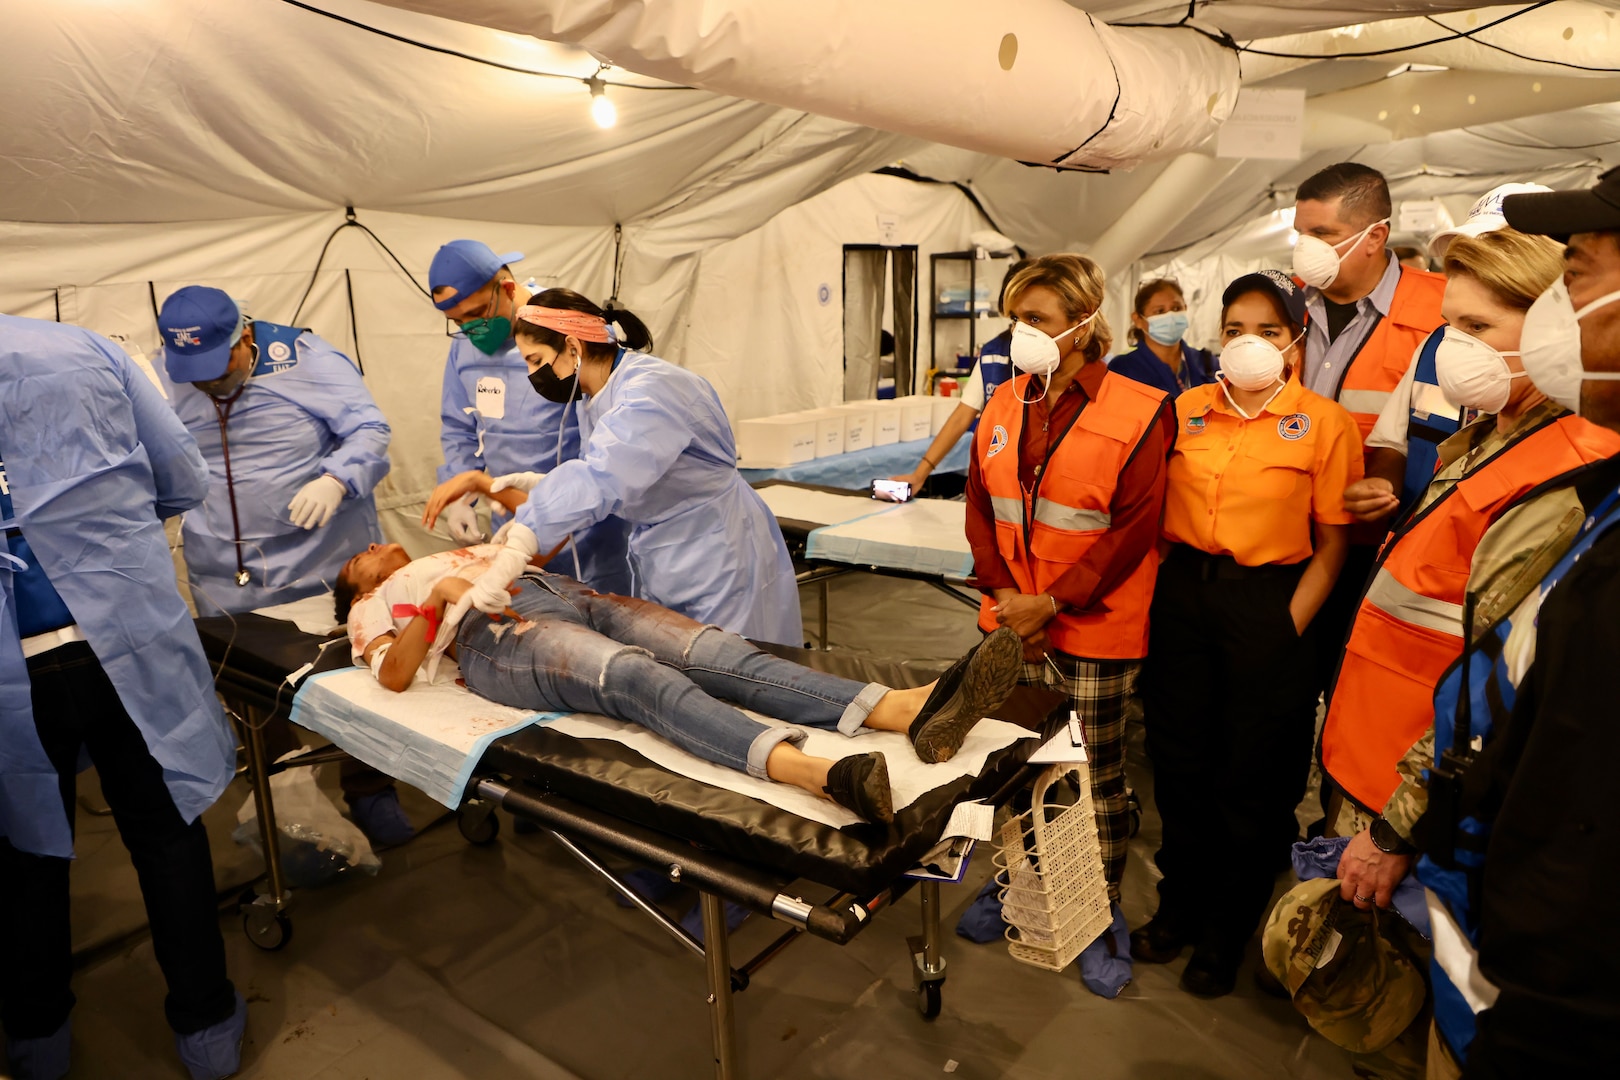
x: 200, y: 325
x: 1278, y: 284
x: 465, y: 266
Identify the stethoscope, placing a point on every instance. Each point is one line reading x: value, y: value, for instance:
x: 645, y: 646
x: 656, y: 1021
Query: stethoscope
x: 222, y: 410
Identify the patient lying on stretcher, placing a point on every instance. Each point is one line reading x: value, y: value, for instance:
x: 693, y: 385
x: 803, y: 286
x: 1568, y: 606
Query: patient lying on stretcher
x: 564, y: 647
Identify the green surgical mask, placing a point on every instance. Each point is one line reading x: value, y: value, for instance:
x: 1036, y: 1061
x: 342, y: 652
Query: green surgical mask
x: 488, y: 335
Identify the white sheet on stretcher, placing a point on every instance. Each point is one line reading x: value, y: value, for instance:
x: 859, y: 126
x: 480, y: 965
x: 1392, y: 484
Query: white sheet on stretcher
x: 820, y: 507
x: 312, y: 614
x: 433, y: 735
x: 927, y: 536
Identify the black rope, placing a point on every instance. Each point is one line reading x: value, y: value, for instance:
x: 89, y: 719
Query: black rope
x: 1453, y: 35
x: 1524, y: 56
x: 402, y: 39
x: 1536, y: 146
x: 354, y: 327
x: 618, y: 261
x: 967, y: 192
x: 157, y: 320
x: 350, y: 221
x: 56, y: 293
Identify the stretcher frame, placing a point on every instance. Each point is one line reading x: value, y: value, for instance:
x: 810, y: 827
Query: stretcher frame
x: 718, y: 878
x: 821, y: 572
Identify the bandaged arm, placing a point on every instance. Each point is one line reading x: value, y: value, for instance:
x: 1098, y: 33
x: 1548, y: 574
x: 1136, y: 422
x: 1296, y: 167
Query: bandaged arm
x: 395, y: 658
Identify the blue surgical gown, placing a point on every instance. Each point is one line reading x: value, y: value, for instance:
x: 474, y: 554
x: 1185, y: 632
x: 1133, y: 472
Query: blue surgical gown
x: 491, y: 420
x: 659, y: 453
x: 289, y: 426
x: 94, y: 460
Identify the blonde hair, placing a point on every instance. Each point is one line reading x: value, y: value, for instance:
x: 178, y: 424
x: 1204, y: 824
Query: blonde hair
x: 1514, y: 266
x: 1078, y: 281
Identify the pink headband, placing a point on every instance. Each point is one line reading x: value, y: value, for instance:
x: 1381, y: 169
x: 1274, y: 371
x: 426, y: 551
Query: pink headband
x: 576, y: 324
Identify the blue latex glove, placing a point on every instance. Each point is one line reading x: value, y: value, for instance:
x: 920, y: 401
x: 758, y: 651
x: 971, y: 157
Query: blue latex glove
x: 1105, y: 964
x: 1319, y: 858
x: 982, y: 921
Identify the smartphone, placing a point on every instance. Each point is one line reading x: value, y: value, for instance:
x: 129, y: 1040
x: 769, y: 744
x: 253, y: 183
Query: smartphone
x: 891, y: 490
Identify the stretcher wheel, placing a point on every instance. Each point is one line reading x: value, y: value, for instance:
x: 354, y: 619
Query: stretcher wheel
x: 928, y: 995
x: 270, y: 932
x: 1133, y: 807
x: 478, y: 825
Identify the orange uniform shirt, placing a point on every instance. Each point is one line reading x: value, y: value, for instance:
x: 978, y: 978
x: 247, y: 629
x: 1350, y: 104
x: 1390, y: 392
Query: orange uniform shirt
x: 1251, y: 488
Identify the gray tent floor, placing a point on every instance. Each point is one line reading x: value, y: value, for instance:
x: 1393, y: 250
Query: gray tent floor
x: 512, y: 960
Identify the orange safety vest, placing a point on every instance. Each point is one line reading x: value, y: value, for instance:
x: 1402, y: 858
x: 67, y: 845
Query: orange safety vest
x: 1042, y: 535
x: 1409, y: 627
x: 1376, y: 369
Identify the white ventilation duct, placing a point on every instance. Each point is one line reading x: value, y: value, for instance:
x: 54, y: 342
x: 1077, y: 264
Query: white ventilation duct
x: 1033, y: 80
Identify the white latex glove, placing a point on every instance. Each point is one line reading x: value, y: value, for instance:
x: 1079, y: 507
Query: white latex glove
x: 488, y: 593
x: 503, y: 532
x: 315, y: 502
x: 462, y: 522
x: 517, y: 481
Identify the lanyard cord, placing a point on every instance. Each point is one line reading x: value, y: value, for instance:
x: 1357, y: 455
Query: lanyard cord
x: 222, y: 410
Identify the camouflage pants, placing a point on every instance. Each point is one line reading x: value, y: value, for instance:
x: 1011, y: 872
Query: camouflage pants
x: 1403, y: 1059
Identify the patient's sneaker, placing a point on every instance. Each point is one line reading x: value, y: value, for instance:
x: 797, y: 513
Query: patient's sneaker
x: 44, y: 1058
x: 215, y: 1052
x: 969, y: 689
x: 861, y: 783
x: 381, y: 818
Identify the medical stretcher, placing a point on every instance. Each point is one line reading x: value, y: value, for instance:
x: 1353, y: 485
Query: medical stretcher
x: 595, y: 796
x: 830, y: 533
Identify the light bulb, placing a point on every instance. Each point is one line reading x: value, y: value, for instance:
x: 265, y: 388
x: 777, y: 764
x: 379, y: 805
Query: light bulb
x: 603, y: 111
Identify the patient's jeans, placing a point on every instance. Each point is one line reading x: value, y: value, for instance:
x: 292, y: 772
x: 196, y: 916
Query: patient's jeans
x: 636, y: 661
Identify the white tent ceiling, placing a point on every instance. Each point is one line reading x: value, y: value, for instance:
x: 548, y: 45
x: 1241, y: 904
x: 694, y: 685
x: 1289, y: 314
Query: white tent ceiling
x: 150, y: 144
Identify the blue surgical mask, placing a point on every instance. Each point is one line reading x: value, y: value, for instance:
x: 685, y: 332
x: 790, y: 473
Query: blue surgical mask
x: 1167, y: 327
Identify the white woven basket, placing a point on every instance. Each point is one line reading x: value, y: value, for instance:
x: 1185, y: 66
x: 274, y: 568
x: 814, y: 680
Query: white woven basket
x: 1054, y: 896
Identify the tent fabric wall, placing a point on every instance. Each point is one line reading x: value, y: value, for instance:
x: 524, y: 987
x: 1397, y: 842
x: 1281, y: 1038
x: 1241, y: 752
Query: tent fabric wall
x: 758, y: 329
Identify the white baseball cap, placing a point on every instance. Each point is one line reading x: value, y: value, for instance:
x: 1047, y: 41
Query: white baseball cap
x: 1483, y: 217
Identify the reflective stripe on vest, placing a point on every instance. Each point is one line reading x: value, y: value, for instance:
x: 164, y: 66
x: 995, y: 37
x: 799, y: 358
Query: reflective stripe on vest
x: 1071, y: 501
x: 1473, y: 696
x: 1377, y: 367
x: 1409, y: 626
x: 1398, y: 602
x: 1053, y: 514
x: 1425, y: 430
x: 1365, y: 401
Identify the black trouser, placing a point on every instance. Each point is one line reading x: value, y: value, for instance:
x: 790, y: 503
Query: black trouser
x: 1230, y: 712
x: 1332, y: 624
x: 75, y: 705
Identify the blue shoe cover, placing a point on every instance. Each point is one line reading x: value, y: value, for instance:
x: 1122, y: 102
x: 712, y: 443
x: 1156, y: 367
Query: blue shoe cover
x: 982, y: 921
x: 214, y: 1052
x: 381, y: 818
x: 45, y: 1058
x: 693, y: 922
x: 1105, y: 964
x: 648, y: 884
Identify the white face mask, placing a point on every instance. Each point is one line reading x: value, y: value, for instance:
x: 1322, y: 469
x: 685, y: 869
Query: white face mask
x: 1034, y: 353
x: 1550, y: 346
x: 1250, y: 362
x: 1472, y: 374
x: 1316, y: 262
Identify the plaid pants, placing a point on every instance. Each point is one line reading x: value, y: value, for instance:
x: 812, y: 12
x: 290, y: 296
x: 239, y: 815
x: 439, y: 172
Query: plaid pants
x: 1100, y: 691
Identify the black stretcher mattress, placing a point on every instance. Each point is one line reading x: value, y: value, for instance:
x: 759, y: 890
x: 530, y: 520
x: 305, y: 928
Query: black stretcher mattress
x: 254, y: 656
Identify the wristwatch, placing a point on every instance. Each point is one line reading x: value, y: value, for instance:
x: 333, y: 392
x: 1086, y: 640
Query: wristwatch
x: 1387, y: 840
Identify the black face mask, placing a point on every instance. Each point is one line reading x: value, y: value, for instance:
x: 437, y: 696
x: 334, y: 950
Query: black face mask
x: 552, y: 387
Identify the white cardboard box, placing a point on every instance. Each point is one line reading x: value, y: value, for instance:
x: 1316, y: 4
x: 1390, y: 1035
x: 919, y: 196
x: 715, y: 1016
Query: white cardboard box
x: 774, y: 442
x: 830, y: 427
x: 885, y: 419
x: 943, y: 408
x: 916, y: 417
x: 860, y: 420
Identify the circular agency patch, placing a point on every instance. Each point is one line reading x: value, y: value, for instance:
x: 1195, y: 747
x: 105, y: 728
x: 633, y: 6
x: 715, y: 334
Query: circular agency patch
x: 998, y: 441
x: 1195, y: 424
x: 1294, y: 426
x: 280, y: 352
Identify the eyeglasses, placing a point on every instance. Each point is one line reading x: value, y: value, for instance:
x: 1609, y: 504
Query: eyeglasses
x: 454, y: 330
